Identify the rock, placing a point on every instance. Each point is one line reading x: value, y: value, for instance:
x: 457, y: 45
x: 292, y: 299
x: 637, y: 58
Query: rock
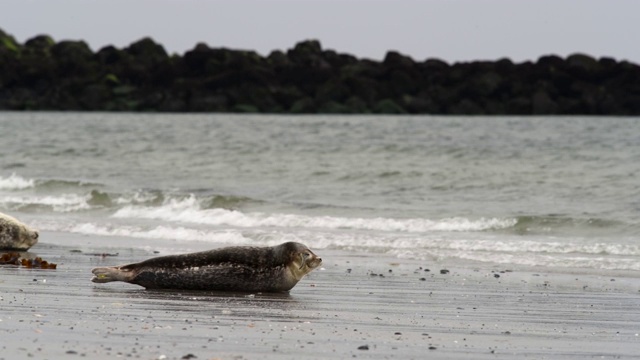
x: 147, y: 48
x: 40, y: 44
x: 245, y: 108
x: 196, y: 60
x: 466, y: 107
x: 308, y: 53
x: 541, y: 104
x: 109, y: 55
x: 357, y: 105
x: 518, y: 106
x: 583, y: 66
x: 75, y: 51
x: 8, y: 44
x: 67, y: 75
x: 388, y: 106
x: 394, y: 59
x: 278, y: 59
x: 332, y: 91
x: 333, y: 107
x: 303, y: 106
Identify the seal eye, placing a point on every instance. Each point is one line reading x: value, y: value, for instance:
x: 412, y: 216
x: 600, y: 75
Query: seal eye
x: 303, y: 259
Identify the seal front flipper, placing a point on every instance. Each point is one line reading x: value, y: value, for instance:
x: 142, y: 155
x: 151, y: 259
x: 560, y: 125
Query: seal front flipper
x: 109, y: 274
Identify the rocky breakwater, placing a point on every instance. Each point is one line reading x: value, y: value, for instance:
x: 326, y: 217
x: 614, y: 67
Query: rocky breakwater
x: 42, y: 74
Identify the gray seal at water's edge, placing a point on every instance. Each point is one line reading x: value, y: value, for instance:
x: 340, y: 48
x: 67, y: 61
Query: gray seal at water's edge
x: 14, y: 235
x: 238, y: 268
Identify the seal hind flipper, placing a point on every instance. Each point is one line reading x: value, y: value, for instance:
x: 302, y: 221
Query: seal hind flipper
x: 109, y: 274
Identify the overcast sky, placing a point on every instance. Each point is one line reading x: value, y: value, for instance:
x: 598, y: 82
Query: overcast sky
x: 452, y: 30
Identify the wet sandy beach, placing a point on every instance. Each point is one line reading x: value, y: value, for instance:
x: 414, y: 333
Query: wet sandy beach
x: 357, y: 305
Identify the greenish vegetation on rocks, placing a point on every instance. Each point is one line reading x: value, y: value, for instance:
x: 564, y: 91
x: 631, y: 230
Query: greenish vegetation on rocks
x: 42, y: 74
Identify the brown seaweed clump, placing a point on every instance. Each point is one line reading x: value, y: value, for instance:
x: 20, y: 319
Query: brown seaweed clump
x: 13, y: 258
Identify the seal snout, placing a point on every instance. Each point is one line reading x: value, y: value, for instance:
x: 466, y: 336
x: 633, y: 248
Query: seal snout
x: 31, y: 237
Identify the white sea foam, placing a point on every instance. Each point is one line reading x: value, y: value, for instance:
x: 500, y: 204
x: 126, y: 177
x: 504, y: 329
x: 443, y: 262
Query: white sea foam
x: 160, y: 232
x: 188, y: 211
x: 58, y: 203
x: 15, y: 182
x: 547, y: 260
x: 138, y: 197
x: 492, y: 246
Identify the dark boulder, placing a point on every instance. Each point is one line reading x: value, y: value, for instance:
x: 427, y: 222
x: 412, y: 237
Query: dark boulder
x: 40, y: 44
x: 68, y: 75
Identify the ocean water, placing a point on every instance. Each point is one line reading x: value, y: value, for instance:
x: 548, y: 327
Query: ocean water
x: 560, y: 192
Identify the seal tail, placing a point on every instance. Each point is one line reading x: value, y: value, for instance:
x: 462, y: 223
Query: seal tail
x: 109, y: 274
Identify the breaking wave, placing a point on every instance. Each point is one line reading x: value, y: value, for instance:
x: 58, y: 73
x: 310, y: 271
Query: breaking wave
x: 188, y: 210
x: 15, y: 182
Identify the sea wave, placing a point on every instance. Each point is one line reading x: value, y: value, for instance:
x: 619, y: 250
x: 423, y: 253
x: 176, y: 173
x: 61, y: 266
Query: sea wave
x: 559, y: 223
x: 160, y: 232
x: 188, y: 210
x: 16, y: 182
x: 57, y: 203
x: 541, y: 260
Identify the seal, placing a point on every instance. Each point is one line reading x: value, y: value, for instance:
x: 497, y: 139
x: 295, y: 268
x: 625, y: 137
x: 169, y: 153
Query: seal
x: 239, y: 268
x: 15, y: 235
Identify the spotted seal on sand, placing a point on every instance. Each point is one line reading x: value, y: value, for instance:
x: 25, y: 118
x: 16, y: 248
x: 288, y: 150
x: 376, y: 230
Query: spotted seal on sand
x: 15, y: 235
x: 239, y: 268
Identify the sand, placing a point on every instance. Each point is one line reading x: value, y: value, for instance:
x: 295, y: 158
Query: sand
x: 356, y: 306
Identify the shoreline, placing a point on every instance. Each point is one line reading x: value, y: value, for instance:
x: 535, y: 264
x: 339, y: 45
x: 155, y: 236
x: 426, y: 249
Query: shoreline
x: 356, y: 305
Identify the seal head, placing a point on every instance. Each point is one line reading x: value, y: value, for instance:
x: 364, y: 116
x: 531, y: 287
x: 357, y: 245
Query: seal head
x: 14, y: 235
x: 239, y: 268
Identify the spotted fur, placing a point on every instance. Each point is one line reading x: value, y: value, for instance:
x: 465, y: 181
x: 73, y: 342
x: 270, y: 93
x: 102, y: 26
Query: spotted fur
x: 15, y: 235
x: 245, y: 269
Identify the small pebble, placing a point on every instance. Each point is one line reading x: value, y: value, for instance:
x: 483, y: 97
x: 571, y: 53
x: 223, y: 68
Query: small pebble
x: 363, y: 347
x: 444, y: 271
x: 496, y: 276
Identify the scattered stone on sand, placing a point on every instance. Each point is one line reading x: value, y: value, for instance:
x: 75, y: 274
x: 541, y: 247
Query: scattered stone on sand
x: 102, y: 254
x: 363, y: 347
x: 444, y: 271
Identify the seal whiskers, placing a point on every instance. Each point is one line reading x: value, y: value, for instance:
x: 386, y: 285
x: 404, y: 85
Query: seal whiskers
x: 239, y: 268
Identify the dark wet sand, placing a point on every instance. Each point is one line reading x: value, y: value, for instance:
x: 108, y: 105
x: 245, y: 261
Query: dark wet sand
x: 361, y: 306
